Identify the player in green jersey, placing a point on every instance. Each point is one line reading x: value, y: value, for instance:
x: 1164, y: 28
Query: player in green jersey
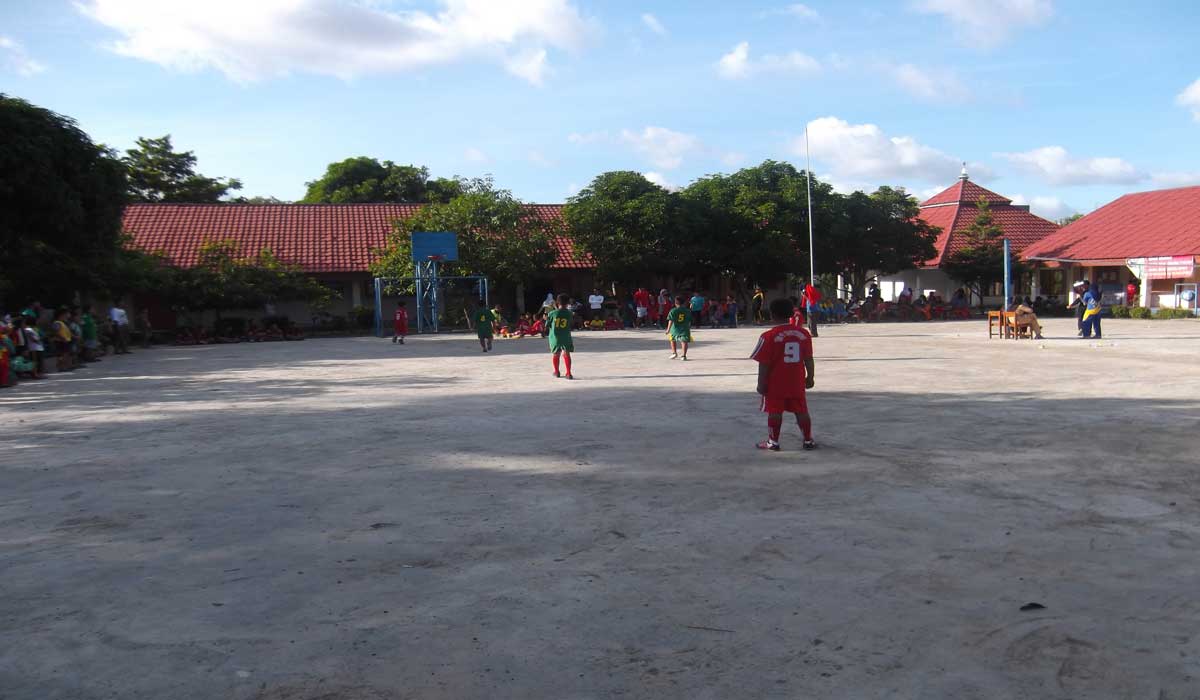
x: 558, y: 323
x: 483, y: 319
x: 679, y: 327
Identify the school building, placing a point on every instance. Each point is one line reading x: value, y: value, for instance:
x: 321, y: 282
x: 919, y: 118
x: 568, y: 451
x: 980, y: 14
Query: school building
x: 953, y: 210
x: 1149, y: 238
x: 334, y: 243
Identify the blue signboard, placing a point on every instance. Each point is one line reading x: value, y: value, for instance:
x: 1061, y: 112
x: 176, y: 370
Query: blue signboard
x: 426, y: 244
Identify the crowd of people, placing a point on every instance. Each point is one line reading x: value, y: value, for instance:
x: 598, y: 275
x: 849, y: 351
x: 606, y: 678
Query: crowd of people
x: 72, y: 337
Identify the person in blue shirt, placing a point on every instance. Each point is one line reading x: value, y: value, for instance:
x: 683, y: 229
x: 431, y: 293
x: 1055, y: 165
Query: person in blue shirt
x: 1091, y: 313
x: 697, y: 306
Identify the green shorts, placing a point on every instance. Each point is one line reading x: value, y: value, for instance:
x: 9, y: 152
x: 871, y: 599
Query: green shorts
x: 681, y: 336
x: 484, y: 334
x: 565, y: 345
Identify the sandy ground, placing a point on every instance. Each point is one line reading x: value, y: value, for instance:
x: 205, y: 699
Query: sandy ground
x: 353, y: 520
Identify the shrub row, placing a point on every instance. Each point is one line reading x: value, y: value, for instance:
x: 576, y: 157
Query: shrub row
x: 1144, y: 313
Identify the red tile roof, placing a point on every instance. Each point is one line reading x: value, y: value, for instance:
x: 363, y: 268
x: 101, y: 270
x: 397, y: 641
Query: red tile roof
x: 1141, y: 225
x: 953, y: 211
x: 320, y: 238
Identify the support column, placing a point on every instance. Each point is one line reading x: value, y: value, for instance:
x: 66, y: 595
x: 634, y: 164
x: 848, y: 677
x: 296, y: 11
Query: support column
x: 355, y: 294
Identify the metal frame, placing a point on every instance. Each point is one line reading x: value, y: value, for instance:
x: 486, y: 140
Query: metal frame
x: 428, y: 284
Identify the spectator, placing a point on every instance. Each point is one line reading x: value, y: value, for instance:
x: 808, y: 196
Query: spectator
x: 698, y: 302
x: 812, y: 302
x: 1131, y: 293
x: 665, y: 302
x: 731, y: 311
x: 1024, y: 315
x: 120, y: 322
x: 32, y: 340
x: 91, y: 336
x: 756, y: 306
x: 144, y: 329
x: 62, y: 342
x: 596, y: 304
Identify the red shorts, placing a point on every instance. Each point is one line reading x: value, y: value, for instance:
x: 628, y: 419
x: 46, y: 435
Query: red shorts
x: 401, y: 328
x: 793, y: 405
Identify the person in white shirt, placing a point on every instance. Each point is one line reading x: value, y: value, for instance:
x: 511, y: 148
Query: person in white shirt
x: 120, y: 322
x: 596, y: 303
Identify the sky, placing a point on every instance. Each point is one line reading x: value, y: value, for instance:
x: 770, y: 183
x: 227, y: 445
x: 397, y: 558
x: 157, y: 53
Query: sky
x: 1061, y: 104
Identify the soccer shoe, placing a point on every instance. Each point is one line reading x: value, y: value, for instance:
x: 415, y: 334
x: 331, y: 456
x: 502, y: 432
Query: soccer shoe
x: 684, y: 358
x: 768, y: 445
x: 557, y: 375
x: 810, y: 445
x: 570, y: 376
x: 393, y: 340
x: 674, y: 356
x: 402, y: 341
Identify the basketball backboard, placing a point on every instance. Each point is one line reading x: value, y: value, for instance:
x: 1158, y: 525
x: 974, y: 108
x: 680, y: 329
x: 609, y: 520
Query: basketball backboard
x: 434, y: 243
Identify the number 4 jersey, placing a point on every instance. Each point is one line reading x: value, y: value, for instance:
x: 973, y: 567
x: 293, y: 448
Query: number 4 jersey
x: 783, y: 349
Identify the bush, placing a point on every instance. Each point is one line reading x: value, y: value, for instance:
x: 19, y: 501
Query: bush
x: 1119, y: 311
x: 1174, y: 313
x: 1140, y: 312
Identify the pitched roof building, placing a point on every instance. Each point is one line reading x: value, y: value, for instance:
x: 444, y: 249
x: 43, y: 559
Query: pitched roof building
x: 1149, y: 238
x: 320, y: 238
x: 953, y: 210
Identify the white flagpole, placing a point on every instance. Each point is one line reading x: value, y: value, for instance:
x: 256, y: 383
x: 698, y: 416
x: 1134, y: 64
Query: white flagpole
x: 812, y: 260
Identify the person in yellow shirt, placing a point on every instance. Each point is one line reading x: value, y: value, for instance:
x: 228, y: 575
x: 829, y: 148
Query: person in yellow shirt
x: 61, y: 332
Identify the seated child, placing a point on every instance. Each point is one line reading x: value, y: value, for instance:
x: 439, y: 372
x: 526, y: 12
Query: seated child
x: 273, y: 332
x: 612, y: 323
x: 525, y: 327
x: 293, y: 333
x: 539, y: 326
x: 596, y: 324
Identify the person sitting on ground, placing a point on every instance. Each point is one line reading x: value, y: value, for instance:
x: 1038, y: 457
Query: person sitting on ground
x: 1023, y: 316
x: 838, y: 312
x: 539, y: 325
x: 612, y: 323
x: 596, y: 324
x: 273, y: 332
x: 293, y: 332
x: 959, y: 304
x: 524, y: 326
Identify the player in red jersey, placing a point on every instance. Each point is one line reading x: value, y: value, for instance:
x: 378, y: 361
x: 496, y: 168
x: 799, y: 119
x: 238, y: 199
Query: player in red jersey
x: 785, y: 369
x: 400, y: 327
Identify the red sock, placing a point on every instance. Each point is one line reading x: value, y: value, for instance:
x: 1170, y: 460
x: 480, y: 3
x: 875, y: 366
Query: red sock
x: 805, y: 422
x: 774, y: 425
x: 567, y: 359
x: 556, y: 356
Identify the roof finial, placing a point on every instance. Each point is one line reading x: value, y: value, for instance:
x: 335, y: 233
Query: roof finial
x: 963, y: 175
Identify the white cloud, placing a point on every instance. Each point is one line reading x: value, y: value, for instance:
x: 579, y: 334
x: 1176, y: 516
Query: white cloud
x: 739, y: 64
x: 474, y: 155
x: 653, y: 24
x: 935, y: 85
x: 1176, y: 179
x: 1190, y: 98
x: 987, y: 23
x: 1058, y: 167
x: 250, y: 41
x: 538, y: 158
x: 664, y: 148
x: 797, y: 10
x: 863, y: 153
x: 660, y: 180
x: 14, y: 58
x: 1051, y: 208
x: 588, y: 137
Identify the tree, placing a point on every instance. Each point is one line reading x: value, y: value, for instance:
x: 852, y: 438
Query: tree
x: 1069, y: 219
x: 980, y: 263
x: 628, y: 225
x: 223, y: 280
x: 498, y: 236
x: 61, y: 198
x: 158, y: 174
x: 366, y: 180
x: 880, y: 233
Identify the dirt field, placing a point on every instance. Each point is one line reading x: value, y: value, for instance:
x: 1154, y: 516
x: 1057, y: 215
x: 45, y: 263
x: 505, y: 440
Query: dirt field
x: 354, y: 520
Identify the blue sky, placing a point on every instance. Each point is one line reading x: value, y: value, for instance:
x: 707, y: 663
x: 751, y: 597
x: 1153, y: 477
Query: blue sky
x: 1064, y: 103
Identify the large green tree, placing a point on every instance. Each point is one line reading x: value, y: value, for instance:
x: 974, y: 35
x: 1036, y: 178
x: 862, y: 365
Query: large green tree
x: 980, y: 262
x: 880, y: 233
x: 224, y: 279
x: 61, y: 198
x: 366, y: 180
x: 157, y: 173
x: 629, y: 225
x: 498, y: 236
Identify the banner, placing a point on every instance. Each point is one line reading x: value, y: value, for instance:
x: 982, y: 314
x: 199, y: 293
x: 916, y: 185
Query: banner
x: 1162, y: 268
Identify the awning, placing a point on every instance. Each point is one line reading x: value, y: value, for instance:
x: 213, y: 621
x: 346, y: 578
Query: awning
x: 1163, y: 267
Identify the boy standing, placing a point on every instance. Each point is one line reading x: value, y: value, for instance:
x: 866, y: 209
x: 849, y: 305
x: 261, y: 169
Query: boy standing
x: 483, y: 320
x: 679, y: 328
x: 560, y: 321
x: 785, y: 369
x: 400, y: 324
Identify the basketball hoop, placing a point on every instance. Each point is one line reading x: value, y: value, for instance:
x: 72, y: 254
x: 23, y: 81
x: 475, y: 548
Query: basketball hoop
x: 436, y: 258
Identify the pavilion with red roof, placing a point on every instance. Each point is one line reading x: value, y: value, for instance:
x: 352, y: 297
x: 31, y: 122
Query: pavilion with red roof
x: 1149, y: 238
x: 953, y: 211
x: 333, y: 242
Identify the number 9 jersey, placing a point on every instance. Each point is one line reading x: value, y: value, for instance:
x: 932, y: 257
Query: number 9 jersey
x: 783, y: 350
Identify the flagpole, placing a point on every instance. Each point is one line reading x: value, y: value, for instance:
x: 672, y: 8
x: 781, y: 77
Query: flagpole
x: 812, y: 258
